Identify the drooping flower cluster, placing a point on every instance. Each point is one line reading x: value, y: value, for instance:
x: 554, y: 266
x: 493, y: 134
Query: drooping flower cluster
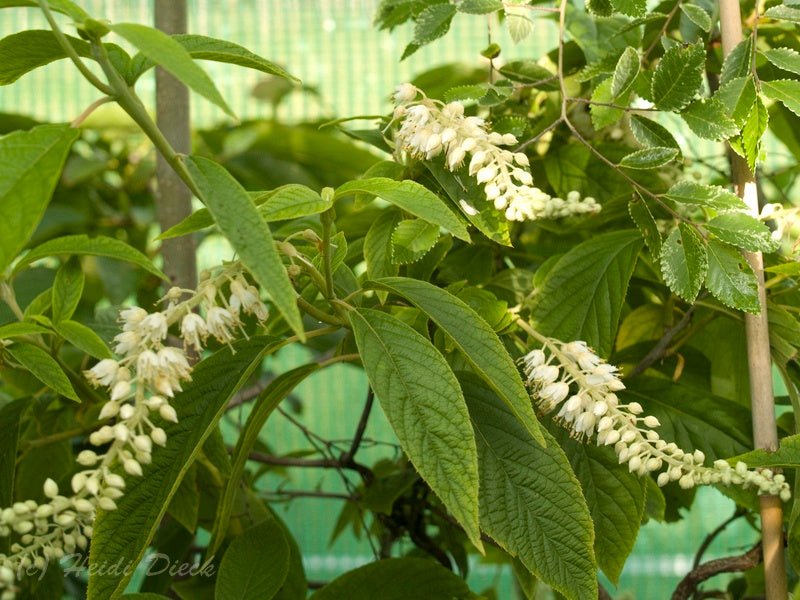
x: 570, y: 377
x: 140, y: 384
x: 429, y: 128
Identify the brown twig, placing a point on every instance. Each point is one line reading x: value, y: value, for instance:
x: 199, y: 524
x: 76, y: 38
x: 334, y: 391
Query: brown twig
x: 730, y: 564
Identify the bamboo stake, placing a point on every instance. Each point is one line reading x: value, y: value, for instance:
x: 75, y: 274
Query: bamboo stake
x: 765, y: 433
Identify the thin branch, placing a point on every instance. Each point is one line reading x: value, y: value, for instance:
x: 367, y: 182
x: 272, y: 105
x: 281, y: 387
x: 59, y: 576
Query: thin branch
x: 78, y: 121
x: 291, y: 494
x: 361, y: 427
x: 731, y: 564
x: 66, y: 46
x: 739, y: 512
x: 659, y: 350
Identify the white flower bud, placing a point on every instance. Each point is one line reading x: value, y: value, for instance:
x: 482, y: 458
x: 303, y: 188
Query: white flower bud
x: 65, y: 519
x: 121, y: 390
x: 115, y: 480
x: 168, y: 413
x: 106, y: 503
x: 159, y: 436
x: 50, y: 488
x: 132, y: 467
x: 83, y: 505
x: 78, y: 482
x: 7, y: 575
x: 121, y: 432
x: 651, y: 421
x: 143, y: 443
x: 110, y: 409
x: 635, y: 408
x: 663, y: 479
x: 87, y: 458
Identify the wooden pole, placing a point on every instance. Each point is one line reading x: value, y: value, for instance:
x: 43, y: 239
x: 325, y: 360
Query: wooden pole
x: 172, y: 117
x: 765, y: 433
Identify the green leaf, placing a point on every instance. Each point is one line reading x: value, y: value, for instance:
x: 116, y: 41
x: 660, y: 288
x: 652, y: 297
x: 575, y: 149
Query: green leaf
x: 9, y: 435
x: 684, y: 262
x: 433, y: 23
x: 12, y: 330
x: 31, y: 164
x: 65, y: 7
x: 582, y: 296
x: 649, y: 158
x: 255, y: 565
x: 709, y: 120
x: 264, y: 405
x: 526, y: 490
x: 678, y: 77
x: 424, y: 404
x: 739, y: 62
x: 698, y: 16
x: 625, y: 73
x: 171, y: 55
x: 632, y: 8
x: 601, y: 8
x: 84, y: 245
x: 475, y: 339
x: 239, y: 220
x: 184, y: 506
x: 464, y: 191
x: 651, y: 134
x: 67, y: 290
x: 738, y: 95
x: 787, y: 455
x: 693, y: 418
x: 753, y: 131
x: 784, y: 58
x: 397, y: 579
x: 784, y: 12
x: 655, y: 503
x: 25, y: 51
x: 201, y: 47
x: 479, y: 7
x: 411, y: 197
x: 615, y: 498
x: 43, y: 367
x: 730, y: 278
x: 743, y: 231
x: 125, y: 533
x: 412, y: 239
x: 83, y: 338
x: 711, y: 196
x: 643, y: 218
x: 519, y: 24
x: 603, y: 116
x: 289, y: 201
x: 378, y: 247
x: 786, y: 91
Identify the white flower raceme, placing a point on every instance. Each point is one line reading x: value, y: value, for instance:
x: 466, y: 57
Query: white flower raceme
x: 429, y: 128
x: 140, y: 384
x: 570, y: 377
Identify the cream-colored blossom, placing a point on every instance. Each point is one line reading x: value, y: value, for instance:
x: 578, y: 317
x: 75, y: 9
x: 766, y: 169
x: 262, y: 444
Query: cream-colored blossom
x: 592, y: 409
x: 429, y: 128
